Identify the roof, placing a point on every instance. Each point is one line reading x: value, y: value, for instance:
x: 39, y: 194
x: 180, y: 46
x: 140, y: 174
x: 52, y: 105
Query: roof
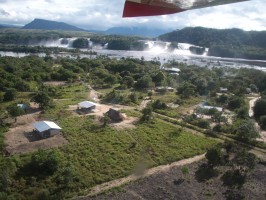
x: 220, y: 109
x: 172, y: 69
x: 22, y: 106
x: 86, y: 104
x: 45, y: 125
x: 115, y: 114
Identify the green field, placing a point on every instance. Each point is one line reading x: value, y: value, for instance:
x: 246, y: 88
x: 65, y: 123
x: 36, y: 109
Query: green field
x: 96, y: 154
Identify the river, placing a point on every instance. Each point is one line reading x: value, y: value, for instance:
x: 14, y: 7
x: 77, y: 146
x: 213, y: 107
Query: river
x: 162, y: 56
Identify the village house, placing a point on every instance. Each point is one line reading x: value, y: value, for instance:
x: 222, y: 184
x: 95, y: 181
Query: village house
x: 206, y: 107
x: 46, y: 129
x: 172, y: 70
x: 22, y: 106
x: 164, y: 89
x: 86, y: 106
x: 115, y: 115
x: 223, y: 90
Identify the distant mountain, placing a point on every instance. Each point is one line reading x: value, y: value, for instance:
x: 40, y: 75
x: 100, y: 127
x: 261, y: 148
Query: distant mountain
x: 50, y: 25
x: 136, y: 31
x: 9, y: 26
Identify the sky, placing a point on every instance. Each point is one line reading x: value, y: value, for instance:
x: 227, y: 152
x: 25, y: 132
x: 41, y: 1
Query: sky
x: 103, y: 14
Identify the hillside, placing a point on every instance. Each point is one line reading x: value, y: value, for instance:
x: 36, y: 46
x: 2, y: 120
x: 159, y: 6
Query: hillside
x: 137, y: 31
x: 50, y: 25
x: 223, y: 42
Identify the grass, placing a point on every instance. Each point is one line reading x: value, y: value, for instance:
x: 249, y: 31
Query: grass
x: 98, y: 154
x: 101, y: 154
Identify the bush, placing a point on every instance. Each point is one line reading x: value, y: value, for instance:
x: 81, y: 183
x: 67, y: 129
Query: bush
x: 246, y: 131
x: 234, y: 177
x: 214, y: 156
x: 10, y: 94
x: 44, y: 162
x: 158, y: 105
x: 260, y: 108
x: 262, y: 122
x: 202, y: 123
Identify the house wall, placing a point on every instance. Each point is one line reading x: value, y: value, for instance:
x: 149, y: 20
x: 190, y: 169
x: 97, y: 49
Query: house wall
x: 54, y: 132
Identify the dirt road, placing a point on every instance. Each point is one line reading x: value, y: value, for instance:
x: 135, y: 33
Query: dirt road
x: 116, y: 183
x: 251, y: 105
x: 94, y: 95
x: 251, y: 113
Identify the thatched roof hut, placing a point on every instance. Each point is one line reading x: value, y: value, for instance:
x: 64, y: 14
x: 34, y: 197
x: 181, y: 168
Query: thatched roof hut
x: 115, y: 115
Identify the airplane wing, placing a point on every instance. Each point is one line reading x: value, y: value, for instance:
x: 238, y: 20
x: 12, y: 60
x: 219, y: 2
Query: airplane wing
x: 137, y: 8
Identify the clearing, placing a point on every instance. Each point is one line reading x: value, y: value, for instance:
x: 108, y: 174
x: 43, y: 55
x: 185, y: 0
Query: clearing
x: 173, y: 184
x: 20, y: 138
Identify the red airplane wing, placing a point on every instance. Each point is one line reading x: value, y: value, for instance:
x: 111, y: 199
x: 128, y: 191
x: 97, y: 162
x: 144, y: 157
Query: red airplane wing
x: 136, y: 8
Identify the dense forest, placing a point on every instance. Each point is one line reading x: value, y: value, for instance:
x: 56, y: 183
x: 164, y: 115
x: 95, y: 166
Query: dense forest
x: 224, y: 43
x: 40, y: 37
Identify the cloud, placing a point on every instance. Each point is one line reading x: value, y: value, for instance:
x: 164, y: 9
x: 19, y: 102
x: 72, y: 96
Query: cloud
x: 3, y: 12
x: 103, y: 14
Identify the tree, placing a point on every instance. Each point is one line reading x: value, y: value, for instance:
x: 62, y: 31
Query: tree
x: 158, y: 78
x: 147, y: 114
x: 15, y: 111
x: 242, y: 113
x: 144, y: 82
x: 44, y: 162
x: 246, y: 159
x: 186, y: 90
x: 10, y: 94
x: 106, y: 119
x: 259, y: 108
x: 247, y: 131
x: 214, y: 156
x: 235, y: 102
x: 80, y: 43
x: 128, y: 81
x: 262, y: 122
x: 43, y: 99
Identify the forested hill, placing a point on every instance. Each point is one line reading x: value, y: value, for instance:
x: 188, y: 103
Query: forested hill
x: 223, y: 42
x: 50, y: 25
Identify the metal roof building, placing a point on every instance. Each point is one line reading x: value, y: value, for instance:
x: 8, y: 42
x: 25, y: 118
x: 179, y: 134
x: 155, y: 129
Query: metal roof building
x: 86, y: 104
x: 46, y: 128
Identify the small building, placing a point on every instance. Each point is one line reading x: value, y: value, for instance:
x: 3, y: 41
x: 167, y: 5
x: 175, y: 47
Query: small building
x: 46, y: 128
x: 223, y: 90
x: 172, y: 70
x: 86, y: 106
x: 164, y: 89
x: 206, y: 107
x: 22, y: 106
x: 115, y: 115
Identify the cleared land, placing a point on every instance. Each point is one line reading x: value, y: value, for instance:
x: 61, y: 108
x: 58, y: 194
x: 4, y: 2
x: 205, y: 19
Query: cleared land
x: 173, y: 184
x: 21, y: 139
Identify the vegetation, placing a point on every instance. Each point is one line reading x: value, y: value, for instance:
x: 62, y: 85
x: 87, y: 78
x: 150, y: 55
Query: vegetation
x: 234, y: 43
x: 96, y: 152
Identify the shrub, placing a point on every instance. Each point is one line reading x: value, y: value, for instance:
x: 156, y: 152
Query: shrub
x: 214, y: 156
x: 262, y: 122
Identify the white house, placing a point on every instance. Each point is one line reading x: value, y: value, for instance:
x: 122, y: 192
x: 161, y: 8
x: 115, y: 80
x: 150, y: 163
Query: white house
x: 46, y: 128
x: 86, y: 106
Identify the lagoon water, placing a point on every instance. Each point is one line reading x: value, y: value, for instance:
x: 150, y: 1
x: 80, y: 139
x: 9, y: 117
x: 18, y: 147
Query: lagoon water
x: 157, y: 52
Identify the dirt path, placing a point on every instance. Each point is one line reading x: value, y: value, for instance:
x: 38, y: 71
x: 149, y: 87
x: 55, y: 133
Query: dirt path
x: 116, y: 183
x: 251, y: 113
x: 143, y: 104
x: 251, y: 105
x: 94, y: 95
